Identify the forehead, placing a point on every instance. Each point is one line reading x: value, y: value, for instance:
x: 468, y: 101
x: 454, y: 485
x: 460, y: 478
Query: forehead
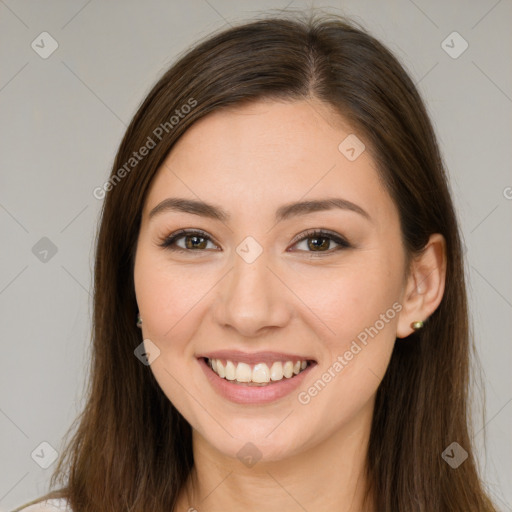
x: 268, y: 152
x: 258, y: 133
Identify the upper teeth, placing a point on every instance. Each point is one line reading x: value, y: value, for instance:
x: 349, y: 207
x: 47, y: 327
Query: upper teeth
x: 259, y: 373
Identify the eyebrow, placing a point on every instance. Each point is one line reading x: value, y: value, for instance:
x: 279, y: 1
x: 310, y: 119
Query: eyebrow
x: 285, y: 212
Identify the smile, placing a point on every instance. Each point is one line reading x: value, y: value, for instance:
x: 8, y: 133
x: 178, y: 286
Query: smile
x: 259, y: 374
x: 257, y: 378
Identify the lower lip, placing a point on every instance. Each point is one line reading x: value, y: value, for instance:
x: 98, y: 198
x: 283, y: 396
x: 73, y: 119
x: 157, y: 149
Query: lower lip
x: 242, y: 394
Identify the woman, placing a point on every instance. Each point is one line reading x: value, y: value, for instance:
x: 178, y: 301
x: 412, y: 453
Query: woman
x: 280, y: 317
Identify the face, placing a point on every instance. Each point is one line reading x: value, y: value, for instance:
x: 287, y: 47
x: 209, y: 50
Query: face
x: 259, y: 288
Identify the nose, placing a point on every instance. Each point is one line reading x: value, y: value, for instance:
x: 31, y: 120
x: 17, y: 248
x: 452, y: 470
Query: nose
x: 252, y: 298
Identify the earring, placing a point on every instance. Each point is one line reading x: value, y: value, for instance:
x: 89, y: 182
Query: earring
x: 417, y: 325
x: 139, y: 320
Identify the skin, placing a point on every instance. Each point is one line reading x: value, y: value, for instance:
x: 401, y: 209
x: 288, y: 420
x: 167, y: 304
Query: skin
x: 250, y: 160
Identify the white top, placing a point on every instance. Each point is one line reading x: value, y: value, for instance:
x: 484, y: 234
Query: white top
x: 52, y: 505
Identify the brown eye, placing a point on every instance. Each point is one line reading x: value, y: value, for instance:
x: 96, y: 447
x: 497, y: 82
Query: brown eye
x: 317, y: 241
x: 320, y: 241
x: 193, y: 241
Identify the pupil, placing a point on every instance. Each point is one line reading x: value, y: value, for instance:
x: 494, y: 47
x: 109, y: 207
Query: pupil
x: 192, y: 241
x: 315, y: 244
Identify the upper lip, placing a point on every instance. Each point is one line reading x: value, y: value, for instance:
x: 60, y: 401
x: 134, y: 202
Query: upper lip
x: 255, y: 357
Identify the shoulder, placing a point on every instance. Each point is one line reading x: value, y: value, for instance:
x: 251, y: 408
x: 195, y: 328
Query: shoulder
x: 51, y: 505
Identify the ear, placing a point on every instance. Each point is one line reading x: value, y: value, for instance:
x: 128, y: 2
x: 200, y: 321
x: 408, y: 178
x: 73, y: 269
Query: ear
x: 425, y: 285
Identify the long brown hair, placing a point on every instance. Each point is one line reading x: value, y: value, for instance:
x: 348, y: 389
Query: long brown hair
x: 132, y: 449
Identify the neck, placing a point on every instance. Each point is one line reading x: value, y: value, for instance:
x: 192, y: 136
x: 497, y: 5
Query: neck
x: 330, y: 476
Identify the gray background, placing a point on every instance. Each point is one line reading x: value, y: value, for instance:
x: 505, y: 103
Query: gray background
x: 64, y: 116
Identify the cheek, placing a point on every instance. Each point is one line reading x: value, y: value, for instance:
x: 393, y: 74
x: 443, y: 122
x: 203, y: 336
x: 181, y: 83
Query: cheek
x: 169, y: 299
x: 360, y: 307
x: 353, y: 297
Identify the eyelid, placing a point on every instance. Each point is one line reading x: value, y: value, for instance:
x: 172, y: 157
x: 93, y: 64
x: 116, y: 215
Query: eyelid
x: 167, y: 242
x: 321, y: 233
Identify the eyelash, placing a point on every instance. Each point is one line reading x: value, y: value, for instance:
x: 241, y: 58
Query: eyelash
x: 168, y: 242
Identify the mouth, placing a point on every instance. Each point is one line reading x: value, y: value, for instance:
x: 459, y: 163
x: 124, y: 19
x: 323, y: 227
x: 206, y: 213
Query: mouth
x: 253, y: 379
x: 259, y: 374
